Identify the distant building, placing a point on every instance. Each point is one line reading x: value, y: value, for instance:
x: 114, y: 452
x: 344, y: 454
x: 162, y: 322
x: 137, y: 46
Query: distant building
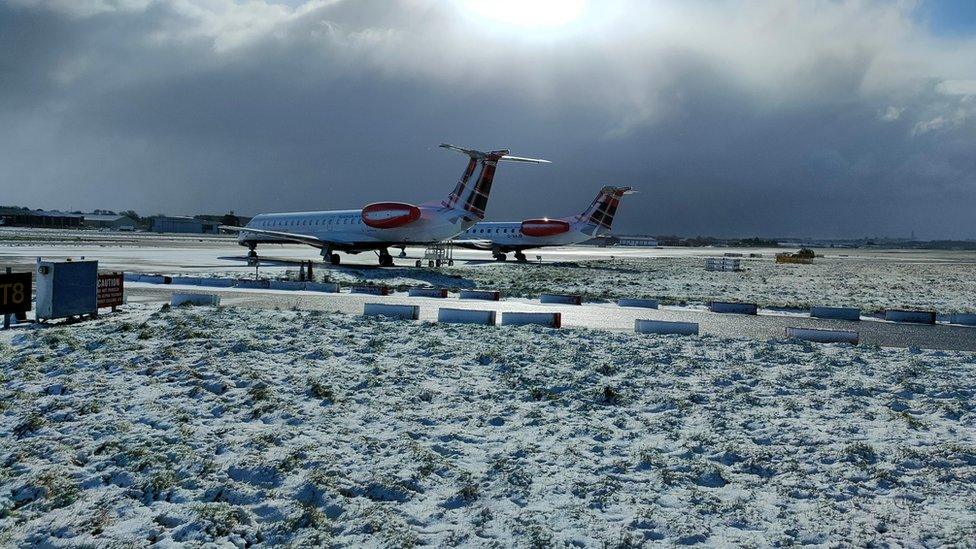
x: 229, y: 219
x: 645, y: 241
x: 41, y: 219
x: 110, y: 221
x: 166, y: 224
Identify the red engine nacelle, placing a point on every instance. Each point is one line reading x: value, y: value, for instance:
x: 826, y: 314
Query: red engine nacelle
x: 389, y: 215
x: 544, y: 227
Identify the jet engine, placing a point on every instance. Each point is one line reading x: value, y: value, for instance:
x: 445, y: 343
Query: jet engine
x: 544, y: 227
x: 389, y: 215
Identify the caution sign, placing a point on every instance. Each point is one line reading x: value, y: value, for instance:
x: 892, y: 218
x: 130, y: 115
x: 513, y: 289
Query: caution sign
x: 15, y: 292
x: 110, y: 291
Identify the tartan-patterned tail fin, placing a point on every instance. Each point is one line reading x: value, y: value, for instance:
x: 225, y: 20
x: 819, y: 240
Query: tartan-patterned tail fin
x: 604, y: 207
x: 473, y: 197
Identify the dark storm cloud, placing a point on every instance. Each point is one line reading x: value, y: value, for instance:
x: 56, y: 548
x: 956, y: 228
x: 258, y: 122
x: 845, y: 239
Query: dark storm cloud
x: 787, y: 118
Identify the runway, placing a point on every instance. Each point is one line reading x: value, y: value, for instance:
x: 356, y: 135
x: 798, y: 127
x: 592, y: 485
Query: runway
x: 766, y: 325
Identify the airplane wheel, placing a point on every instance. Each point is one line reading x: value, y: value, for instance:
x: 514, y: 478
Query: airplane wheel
x: 419, y: 263
x: 386, y: 261
x: 501, y: 257
x: 253, y: 254
x: 450, y: 262
x: 520, y: 257
x: 430, y: 263
x: 334, y: 259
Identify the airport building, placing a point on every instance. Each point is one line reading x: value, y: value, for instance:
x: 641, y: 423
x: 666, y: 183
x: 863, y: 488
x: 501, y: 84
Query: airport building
x: 110, y: 221
x: 182, y: 224
x: 645, y: 241
x: 22, y: 217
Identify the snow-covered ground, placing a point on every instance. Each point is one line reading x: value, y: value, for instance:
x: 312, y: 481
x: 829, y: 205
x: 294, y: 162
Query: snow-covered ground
x: 873, y: 284
x: 267, y: 427
x: 872, y: 279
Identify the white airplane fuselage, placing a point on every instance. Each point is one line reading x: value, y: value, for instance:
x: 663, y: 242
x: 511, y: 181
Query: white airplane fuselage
x: 345, y: 230
x: 507, y: 235
x: 502, y: 237
x: 381, y: 225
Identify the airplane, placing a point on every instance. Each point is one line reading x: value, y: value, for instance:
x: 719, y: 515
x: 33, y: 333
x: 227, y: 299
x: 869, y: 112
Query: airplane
x: 515, y: 236
x: 381, y: 225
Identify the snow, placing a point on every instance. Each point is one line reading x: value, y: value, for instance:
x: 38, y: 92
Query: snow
x: 241, y: 426
x: 873, y: 284
x: 871, y: 279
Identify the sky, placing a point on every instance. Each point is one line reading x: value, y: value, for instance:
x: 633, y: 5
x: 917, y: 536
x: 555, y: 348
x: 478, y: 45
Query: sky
x: 812, y: 118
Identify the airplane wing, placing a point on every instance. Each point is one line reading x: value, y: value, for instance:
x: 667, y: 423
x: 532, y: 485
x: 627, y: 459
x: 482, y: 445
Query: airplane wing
x: 473, y: 244
x: 288, y: 237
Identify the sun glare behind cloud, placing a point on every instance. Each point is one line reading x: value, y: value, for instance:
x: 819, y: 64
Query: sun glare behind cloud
x: 527, y: 13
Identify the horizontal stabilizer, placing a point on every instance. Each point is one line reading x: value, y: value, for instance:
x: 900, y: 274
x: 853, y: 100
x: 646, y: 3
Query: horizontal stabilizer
x: 504, y: 154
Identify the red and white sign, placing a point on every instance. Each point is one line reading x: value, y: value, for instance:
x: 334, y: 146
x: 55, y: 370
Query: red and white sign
x: 389, y: 215
x: 544, y: 227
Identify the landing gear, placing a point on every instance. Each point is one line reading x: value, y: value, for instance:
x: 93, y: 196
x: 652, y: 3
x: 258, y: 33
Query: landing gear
x: 403, y: 252
x: 520, y: 257
x: 334, y: 259
x: 386, y: 260
x: 500, y: 257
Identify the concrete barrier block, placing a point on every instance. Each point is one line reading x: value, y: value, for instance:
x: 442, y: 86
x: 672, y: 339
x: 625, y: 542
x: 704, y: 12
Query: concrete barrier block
x: 286, y: 285
x: 644, y: 303
x: 186, y: 280
x: 427, y: 292
x: 487, y: 295
x: 371, y: 290
x: 326, y: 287
x: 919, y: 317
x: 194, y: 299
x: 822, y: 336
x: 733, y: 308
x: 553, y: 320
x: 217, y: 282
x: 562, y: 299
x: 250, y: 283
x: 966, y: 319
x: 410, y: 312
x: 839, y: 313
x: 665, y: 327
x: 465, y: 316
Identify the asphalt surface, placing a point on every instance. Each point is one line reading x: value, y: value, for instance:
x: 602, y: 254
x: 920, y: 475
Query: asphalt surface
x: 766, y: 325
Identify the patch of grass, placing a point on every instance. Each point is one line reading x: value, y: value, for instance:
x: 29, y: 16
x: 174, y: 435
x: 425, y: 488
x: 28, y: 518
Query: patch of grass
x: 469, y: 488
x: 321, y: 390
x: 610, y: 395
x: 32, y: 423
x: 57, y: 489
x: 220, y: 519
x: 259, y: 392
x: 158, y: 483
x: 860, y: 453
x: 308, y: 516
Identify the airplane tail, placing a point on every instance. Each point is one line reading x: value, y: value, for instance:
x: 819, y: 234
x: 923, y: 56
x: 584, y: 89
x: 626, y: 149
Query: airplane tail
x: 473, y: 198
x: 604, y: 207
